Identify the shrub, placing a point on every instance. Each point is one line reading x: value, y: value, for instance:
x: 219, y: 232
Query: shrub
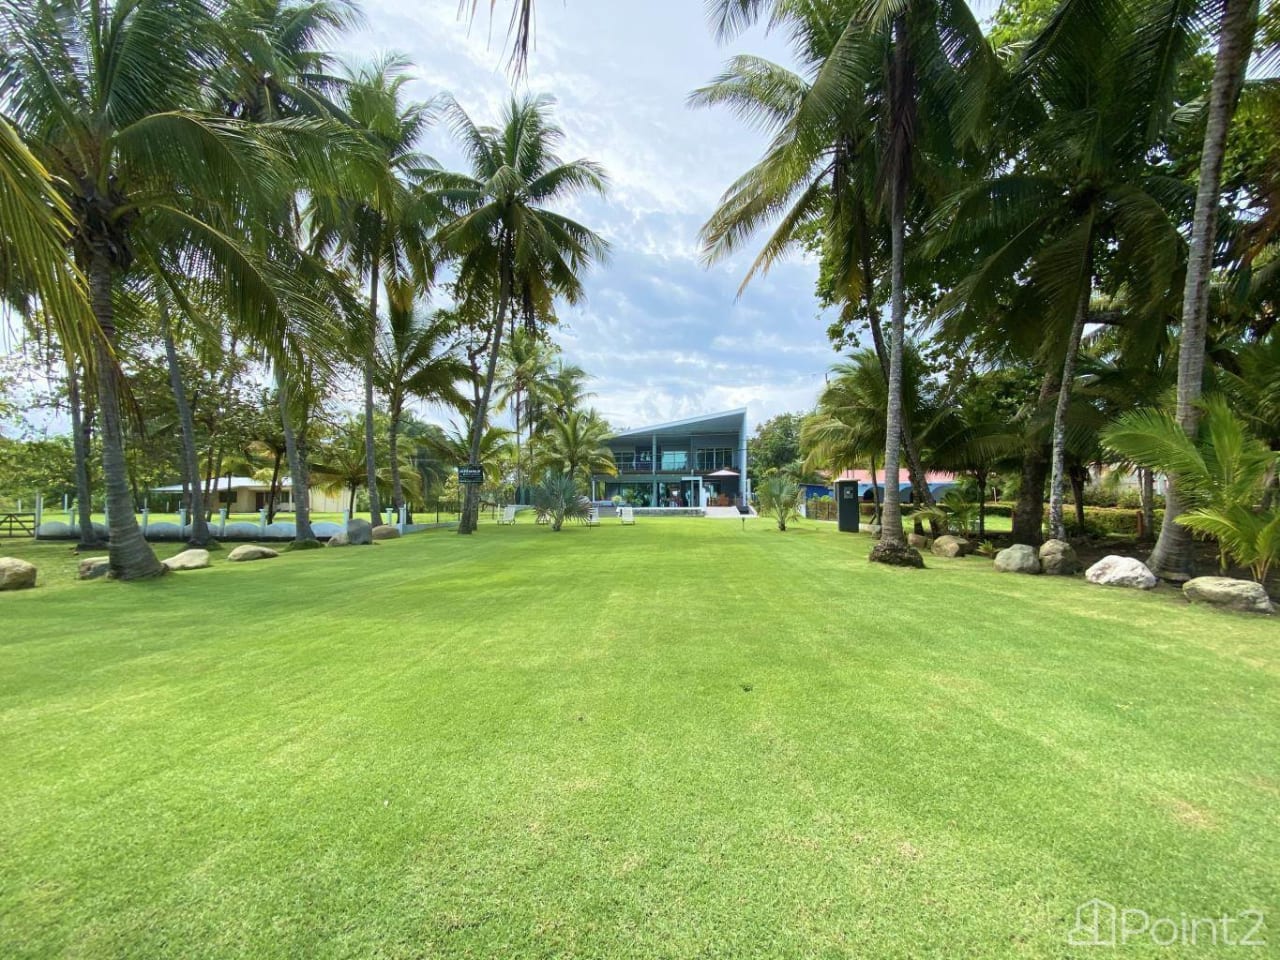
x: 780, y: 498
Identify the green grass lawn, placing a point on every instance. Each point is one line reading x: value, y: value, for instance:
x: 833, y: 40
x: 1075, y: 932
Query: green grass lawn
x: 675, y: 739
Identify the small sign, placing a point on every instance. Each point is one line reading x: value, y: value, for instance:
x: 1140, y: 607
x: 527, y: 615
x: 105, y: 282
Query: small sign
x: 471, y: 474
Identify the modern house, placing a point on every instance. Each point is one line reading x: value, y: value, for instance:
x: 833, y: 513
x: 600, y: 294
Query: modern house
x: 699, y: 462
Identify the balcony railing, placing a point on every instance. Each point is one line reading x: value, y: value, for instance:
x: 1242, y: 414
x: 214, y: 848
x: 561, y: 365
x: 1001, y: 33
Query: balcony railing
x: 667, y: 463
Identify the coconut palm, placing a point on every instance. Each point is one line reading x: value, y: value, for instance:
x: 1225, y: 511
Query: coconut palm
x: 930, y: 56
x: 417, y: 358
x: 575, y: 446
x: 454, y: 447
x: 506, y: 234
x: 1237, y: 21
x: 526, y: 364
x: 101, y: 94
x: 33, y: 242
x: 819, y: 171
x: 381, y: 222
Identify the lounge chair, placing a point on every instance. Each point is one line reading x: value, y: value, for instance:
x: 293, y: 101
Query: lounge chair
x: 627, y: 514
x: 508, y: 514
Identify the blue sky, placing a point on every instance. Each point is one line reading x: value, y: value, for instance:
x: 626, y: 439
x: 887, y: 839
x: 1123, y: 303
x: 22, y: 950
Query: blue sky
x: 664, y: 337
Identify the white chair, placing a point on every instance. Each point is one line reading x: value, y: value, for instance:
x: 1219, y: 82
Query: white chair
x: 627, y: 514
x: 508, y: 515
x: 593, y: 517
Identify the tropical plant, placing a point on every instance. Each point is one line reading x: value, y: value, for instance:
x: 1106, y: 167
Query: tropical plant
x: 575, y: 446
x: 102, y: 95
x: 1237, y: 22
x: 556, y: 496
x: 382, y: 225
x: 780, y: 498
x: 1220, y: 474
x: 417, y: 358
x: 506, y: 238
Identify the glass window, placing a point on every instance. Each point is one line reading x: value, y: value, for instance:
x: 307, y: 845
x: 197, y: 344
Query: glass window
x: 714, y: 458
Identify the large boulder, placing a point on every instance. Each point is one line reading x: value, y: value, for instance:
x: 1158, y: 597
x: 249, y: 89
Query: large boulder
x: 359, y: 532
x: 91, y: 568
x: 1243, y: 595
x: 1116, y: 571
x: 1020, y: 558
x: 896, y: 555
x: 386, y: 531
x: 1058, y: 558
x: 918, y: 540
x: 251, y: 551
x: 193, y: 559
x: 16, y: 574
x: 949, y: 546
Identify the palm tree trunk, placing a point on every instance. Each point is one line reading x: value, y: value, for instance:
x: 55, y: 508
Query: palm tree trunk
x: 1172, y: 555
x: 471, y: 502
x: 1147, y: 494
x: 981, y: 477
x: 1028, y: 511
x: 393, y: 443
x: 876, y: 513
x: 891, y: 533
x: 131, y: 556
x: 190, y: 461
x: 1079, y: 477
x: 271, y: 489
x: 80, y: 446
x: 1057, y: 528
x: 299, y: 490
x: 370, y: 451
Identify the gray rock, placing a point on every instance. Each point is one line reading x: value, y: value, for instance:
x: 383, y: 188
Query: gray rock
x: 193, y: 559
x: 16, y: 574
x: 1243, y: 595
x: 251, y: 551
x: 386, y: 531
x: 918, y: 540
x: 1058, y: 558
x: 949, y: 546
x: 339, y: 540
x: 91, y: 568
x: 1116, y: 571
x: 54, y: 530
x: 1020, y: 558
x: 359, y: 532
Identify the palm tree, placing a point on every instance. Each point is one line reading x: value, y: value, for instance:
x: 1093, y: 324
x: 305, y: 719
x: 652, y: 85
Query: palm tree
x: 1237, y: 21
x: 930, y: 54
x: 417, y: 358
x: 454, y: 446
x: 381, y: 225
x: 37, y: 230
x: 526, y: 364
x: 101, y: 94
x: 576, y: 447
x: 506, y: 234
x: 780, y: 497
x: 819, y: 171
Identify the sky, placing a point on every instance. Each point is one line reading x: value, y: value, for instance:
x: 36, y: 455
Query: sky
x: 663, y: 336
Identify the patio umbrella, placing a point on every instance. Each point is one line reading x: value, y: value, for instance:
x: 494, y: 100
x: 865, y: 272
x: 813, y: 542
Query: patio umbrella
x: 724, y: 472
